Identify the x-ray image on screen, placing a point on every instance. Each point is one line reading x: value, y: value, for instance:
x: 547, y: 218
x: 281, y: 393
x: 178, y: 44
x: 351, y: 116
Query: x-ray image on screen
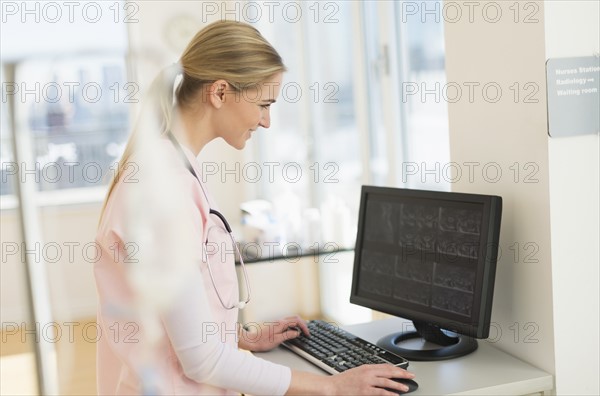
x: 428, y: 256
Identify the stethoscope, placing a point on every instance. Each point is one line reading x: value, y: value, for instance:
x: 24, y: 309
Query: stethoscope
x: 240, y: 304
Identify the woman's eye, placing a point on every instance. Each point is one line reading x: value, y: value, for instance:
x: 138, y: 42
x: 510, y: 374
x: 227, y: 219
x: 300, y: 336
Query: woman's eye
x: 265, y: 106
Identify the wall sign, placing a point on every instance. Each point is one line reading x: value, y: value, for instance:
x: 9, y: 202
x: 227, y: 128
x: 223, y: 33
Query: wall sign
x: 573, y: 89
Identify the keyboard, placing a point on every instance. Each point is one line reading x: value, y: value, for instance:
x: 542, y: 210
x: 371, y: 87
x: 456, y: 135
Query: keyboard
x: 335, y: 350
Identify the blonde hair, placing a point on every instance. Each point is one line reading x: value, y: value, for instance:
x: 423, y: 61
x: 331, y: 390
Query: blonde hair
x: 228, y: 50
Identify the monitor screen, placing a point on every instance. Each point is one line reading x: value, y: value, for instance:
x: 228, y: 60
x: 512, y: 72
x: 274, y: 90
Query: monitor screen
x: 428, y: 256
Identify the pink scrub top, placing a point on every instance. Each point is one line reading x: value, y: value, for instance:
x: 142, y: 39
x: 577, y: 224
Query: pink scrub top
x: 197, y: 351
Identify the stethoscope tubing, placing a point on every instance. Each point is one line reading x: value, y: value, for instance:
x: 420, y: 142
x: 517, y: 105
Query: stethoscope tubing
x: 240, y: 304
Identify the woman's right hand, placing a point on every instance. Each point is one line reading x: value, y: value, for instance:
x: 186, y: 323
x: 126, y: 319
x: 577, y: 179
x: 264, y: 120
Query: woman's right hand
x: 369, y: 380
x: 362, y: 380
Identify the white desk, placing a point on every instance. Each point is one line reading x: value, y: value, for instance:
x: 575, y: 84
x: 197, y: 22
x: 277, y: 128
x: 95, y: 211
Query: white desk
x: 487, y: 371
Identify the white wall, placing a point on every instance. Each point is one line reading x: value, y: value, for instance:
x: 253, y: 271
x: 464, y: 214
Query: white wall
x: 499, y: 135
x: 554, y: 301
x: 572, y: 29
x: 65, y: 231
x: 281, y: 288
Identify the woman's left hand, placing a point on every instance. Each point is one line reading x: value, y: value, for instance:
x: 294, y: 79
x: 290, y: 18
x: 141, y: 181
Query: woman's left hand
x: 260, y: 337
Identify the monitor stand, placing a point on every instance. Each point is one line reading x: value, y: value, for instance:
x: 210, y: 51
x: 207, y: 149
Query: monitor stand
x: 449, y: 347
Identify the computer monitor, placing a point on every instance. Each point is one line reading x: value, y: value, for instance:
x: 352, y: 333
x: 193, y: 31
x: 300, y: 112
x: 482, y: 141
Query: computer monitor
x: 430, y: 257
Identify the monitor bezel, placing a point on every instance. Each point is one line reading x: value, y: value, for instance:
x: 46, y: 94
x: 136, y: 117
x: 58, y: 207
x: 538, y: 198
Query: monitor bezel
x: 492, y: 207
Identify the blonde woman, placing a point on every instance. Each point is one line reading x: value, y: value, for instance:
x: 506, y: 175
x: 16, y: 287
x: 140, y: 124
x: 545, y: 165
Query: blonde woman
x: 223, y: 87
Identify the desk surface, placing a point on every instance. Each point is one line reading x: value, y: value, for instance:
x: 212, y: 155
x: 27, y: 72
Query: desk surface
x: 487, y: 371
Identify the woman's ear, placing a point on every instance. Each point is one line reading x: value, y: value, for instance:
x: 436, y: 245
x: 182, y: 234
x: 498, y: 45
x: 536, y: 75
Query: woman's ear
x: 216, y: 94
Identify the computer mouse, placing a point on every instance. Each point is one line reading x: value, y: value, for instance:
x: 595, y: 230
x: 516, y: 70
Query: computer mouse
x: 412, y: 385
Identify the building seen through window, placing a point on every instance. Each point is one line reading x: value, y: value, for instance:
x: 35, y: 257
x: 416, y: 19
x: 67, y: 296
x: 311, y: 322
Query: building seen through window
x: 76, y: 112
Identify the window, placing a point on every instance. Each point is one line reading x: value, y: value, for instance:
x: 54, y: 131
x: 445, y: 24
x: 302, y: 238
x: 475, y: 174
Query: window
x: 314, y: 138
x: 76, y: 113
x: 353, y: 108
x: 70, y: 94
x: 7, y: 172
x: 362, y: 118
x: 421, y: 92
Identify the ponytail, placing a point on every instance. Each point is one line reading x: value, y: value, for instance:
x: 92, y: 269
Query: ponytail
x: 159, y: 105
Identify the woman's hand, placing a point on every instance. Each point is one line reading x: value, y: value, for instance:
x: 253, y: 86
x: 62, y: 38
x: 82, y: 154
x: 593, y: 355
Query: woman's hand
x: 265, y: 336
x: 370, y: 379
x: 363, y: 380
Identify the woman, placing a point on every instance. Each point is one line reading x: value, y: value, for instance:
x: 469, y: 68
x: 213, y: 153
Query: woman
x: 230, y: 76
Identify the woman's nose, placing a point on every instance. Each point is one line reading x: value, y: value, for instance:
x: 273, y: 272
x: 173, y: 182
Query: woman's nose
x: 265, y: 121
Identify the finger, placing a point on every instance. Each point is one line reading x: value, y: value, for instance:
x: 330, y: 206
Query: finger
x: 390, y: 371
x: 401, y: 373
x: 296, y: 321
x: 291, y: 333
x: 287, y: 335
x: 301, y: 323
x: 390, y: 384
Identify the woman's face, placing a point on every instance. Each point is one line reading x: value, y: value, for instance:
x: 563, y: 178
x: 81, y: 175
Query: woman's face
x: 243, y: 112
